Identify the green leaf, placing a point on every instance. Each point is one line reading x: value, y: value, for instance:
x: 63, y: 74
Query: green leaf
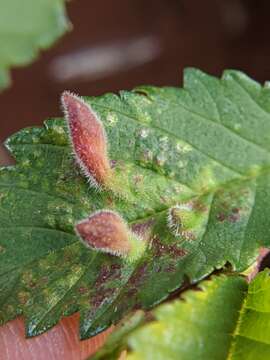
x: 199, y: 154
x: 226, y: 320
x: 117, y: 340
x: 25, y: 28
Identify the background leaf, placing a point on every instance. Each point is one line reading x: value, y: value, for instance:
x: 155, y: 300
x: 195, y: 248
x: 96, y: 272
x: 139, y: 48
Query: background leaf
x: 116, y: 343
x: 25, y: 28
x: 227, y: 319
x: 205, y: 146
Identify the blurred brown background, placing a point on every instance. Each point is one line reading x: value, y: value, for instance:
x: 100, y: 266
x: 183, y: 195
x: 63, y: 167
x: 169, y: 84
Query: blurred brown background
x: 119, y: 44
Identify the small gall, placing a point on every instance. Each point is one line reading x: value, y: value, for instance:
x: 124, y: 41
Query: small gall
x: 189, y: 220
x: 88, y: 139
x: 177, y: 217
x: 106, y: 231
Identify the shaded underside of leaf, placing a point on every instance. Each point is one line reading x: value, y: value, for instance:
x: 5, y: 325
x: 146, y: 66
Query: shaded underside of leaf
x: 226, y: 320
x: 26, y: 27
x: 204, y: 148
x: 116, y: 343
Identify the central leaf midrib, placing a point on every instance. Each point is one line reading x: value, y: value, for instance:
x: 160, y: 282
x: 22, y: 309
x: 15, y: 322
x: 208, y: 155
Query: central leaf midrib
x: 213, y: 191
x: 208, y: 191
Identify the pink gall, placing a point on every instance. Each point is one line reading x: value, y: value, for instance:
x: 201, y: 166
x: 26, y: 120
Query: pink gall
x: 88, y: 139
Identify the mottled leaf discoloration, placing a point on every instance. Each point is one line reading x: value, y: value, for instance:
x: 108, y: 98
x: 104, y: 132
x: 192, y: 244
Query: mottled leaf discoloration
x: 205, y: 146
